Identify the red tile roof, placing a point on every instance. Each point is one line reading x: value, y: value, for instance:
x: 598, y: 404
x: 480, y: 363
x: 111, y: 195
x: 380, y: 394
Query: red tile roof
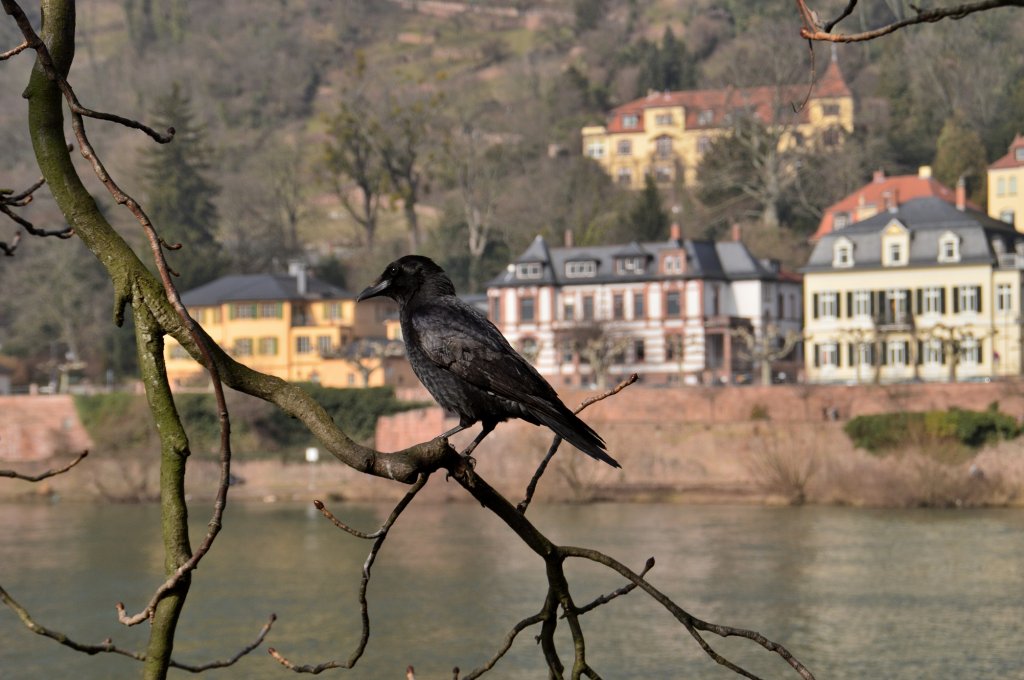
x: 1011, y: 159
x: 764, y: 101
x: 901, y: 188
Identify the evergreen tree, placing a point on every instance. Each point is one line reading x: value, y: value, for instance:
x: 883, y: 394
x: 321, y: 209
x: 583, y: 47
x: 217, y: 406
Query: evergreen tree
x: 648, y: 219
x: 960, y: 153
x: 666, y: 68
x: 180, y: 194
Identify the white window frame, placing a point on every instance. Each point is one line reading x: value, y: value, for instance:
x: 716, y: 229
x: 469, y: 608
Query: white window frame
x: 931, y: 300
x: 595, y: 150
x: 828, y: 305
x: 624, y: 147
x: 663, y: 119
x: 842, y: 254
x: 860, y: 303
x: 529, y: 270
x: 630, y: 121
x: 896, y: 353
x: 580, y: 269
x: 968, y: 299
x: 634, y: 264
x: 663, y: 146
x: 970, y: 351
x: 624, y: 177
x: 828, y: 355
x: 949, y: 248
x: 1004, y: 298
x: 894, y: 251
x: 931, y: 352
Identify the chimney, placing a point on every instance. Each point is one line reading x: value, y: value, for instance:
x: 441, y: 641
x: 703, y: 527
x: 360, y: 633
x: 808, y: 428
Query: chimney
x: 961, y: 194
x: 568, y: 238
x: 879, y: 176
x: 736, y: 234
x: 925, y: 172
x: 297, y: 269
x: 674, y: 232
x: 892, y: 200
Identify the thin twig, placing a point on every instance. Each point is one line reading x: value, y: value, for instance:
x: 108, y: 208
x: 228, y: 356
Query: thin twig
x: 44, y: 475
x: 108, y: 646
x: 531, y: 488
x: 812, y: 31
x: 378, y: 541
x: 13, y: 51
x: 604, y: 599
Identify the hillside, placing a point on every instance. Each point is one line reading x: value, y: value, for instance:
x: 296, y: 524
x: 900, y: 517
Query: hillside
x: 496, y: 93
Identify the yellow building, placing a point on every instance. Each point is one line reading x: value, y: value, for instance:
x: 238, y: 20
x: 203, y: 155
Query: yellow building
x: 926, y: 290
x: 1006, y: 186
x: 665, y: 134
x: 295, y: 327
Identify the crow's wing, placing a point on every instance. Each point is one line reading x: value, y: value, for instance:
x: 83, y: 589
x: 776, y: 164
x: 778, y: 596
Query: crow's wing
x: 459, y: 339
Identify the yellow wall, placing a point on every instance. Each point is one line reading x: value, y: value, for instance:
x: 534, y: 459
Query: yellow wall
x: 999, y: 333
x: 1011, y: 197
x: 285, y: 339
x: 686, y: 143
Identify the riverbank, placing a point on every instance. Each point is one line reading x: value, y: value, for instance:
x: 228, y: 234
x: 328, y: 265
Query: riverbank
x: 773, y: 445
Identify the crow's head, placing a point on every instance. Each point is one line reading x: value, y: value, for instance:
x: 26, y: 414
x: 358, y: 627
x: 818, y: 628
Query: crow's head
x: 407, y: 276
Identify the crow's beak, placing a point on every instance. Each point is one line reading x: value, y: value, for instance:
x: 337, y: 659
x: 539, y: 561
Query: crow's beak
x: 374, y: 290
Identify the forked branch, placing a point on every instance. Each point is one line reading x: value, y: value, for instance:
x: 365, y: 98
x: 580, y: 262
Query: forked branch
x: 813, y: 29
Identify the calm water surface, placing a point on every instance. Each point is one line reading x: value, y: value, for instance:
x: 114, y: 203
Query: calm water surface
x: 853, y: 593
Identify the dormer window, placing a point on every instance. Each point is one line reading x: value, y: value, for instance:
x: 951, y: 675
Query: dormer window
x: 895, y: 245
x: 576, y: 269
x: 705, y: 117
x: 630, y: 265
x: 842, y: 253
x: 840, y: 220
x: 949, y: 247
x: 529, y: 270
x: 1018, y: 153
x: 672, y: 264
x: 895, y: 252
x: 630, y: 121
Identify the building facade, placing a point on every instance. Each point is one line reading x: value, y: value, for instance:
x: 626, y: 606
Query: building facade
x: 1006, y: 186
x: 294, y: 327
x: 926, y: 290
x: 671, y: 311
x: 665, y: 134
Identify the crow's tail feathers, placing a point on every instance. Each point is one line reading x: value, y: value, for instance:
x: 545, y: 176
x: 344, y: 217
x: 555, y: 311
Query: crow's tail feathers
x: 573, y: 430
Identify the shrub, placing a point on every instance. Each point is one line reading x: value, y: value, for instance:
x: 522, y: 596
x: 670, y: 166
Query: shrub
x: 886, y: 431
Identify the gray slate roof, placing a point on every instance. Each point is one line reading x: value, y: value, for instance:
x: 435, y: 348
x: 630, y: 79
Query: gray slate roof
x: 258, y: 287
x: 726, y: 260
x: 927, y: 219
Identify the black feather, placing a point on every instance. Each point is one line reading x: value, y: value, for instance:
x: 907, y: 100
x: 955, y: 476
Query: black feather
x: 465, y: 362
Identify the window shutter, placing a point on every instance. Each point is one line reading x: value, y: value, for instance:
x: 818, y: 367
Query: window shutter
x: 956, y: 301
x: 917, y: 301
x: 879, y: 303
x: 908, y: 301
x: 817, y: 355
x: 849, y: 303
x: 977, y: 296
x: 942, y: 300
x: 906, y: 352
x: 850, y: 354
x: 920, y: 352
x: 814, y: 308
x: 884, y: 358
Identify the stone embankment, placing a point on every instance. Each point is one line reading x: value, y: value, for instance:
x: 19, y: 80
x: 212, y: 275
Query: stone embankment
x: 717, y: 444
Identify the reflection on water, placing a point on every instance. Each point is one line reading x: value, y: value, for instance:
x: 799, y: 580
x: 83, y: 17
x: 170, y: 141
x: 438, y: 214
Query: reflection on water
x: 852, y: 593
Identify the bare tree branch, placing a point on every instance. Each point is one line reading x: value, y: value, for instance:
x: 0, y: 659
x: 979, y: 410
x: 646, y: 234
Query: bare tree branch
x: 44, y: 475
x: 9, y: 199
x: 108, y: 646
x: 13, y: 51
x: 378, y: 537
x: 813, y: 30
x: 531, y: 488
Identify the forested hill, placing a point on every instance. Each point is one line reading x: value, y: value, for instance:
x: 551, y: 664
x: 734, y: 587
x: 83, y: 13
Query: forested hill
x: 479, y: 106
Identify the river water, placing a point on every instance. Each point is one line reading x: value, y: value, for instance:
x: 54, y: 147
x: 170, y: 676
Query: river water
x: 853, y: 593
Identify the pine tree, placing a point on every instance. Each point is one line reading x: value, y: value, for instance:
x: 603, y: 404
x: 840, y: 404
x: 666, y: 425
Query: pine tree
x: 959, y: 152
x: 648, y: 218
x: 180, y: 194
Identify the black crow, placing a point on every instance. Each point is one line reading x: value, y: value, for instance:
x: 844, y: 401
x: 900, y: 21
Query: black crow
x: 466, y: 363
